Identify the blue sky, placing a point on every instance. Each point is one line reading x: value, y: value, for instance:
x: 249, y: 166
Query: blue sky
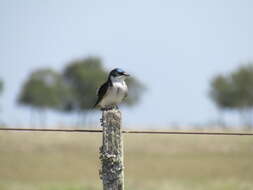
x: 174, y: 47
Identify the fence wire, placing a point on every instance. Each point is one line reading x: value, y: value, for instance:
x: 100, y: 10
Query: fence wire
x: 130, y: 131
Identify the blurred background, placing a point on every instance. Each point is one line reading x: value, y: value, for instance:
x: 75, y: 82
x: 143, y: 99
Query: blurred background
x: 191, y: 64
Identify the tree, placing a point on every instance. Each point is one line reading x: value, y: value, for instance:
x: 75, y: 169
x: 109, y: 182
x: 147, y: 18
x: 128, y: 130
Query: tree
x: 222, y: 92
x: 243, y: 86
x: 43, y: 90
x: 223, y: 95
x: 235, y: 91
x: 83, y: 77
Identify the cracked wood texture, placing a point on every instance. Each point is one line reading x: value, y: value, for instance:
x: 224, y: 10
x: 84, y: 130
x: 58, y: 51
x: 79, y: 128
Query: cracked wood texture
x: 111, y: 151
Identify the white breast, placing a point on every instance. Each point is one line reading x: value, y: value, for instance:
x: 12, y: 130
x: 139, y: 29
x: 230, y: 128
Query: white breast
x: 115, y: 94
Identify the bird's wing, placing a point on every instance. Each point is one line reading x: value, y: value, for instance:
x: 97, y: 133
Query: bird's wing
x: 101, y: 92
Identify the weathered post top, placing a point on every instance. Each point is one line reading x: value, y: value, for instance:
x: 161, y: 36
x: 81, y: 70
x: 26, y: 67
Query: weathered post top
x: 111, y: 151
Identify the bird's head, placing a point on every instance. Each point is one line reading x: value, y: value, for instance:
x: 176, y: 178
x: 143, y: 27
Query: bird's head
x: 118, y: 74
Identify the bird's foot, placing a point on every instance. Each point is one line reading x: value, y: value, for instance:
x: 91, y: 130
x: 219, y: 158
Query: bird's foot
x: 111, y: 107
x: 107, y: 108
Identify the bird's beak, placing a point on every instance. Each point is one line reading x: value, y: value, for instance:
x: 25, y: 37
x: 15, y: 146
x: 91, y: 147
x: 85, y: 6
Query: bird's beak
x: 126, y: 74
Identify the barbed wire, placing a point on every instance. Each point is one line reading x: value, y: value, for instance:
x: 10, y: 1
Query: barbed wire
x: 129, y: 131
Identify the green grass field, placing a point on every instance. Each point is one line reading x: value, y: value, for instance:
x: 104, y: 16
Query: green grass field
x: 58, y: 161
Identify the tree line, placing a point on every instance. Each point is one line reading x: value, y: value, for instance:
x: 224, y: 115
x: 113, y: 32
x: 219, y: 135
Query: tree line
x: 73, y: 90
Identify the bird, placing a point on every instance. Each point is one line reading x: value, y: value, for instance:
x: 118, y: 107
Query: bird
x: 113, y: 91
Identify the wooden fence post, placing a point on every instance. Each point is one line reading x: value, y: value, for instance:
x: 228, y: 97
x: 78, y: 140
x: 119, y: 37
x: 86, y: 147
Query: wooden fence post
x: 111, y: 151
